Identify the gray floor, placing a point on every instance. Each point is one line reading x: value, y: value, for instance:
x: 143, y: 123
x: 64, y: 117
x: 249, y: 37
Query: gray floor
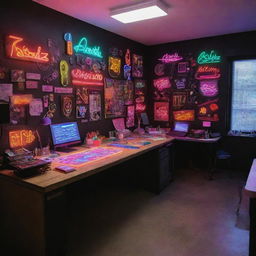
x: 191, y: 217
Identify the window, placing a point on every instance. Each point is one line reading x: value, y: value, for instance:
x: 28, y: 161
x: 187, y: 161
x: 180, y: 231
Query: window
x: 243, y: 108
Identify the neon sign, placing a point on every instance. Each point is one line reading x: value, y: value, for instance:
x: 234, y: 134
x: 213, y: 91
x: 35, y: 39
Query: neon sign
x: 167, y: 58
x: 207, y: 72
x: 184, y: 115
x: 82, y: 47
x: 69, y: 44
x: 161, y: 111
x: 162, y: 83
x: 64, y: 75
x: 81, y: 77
x: 114, y: 66
x: 209, y: 88
x: 207, y: 111
x: 23, y: 99
x: 17, y: 50
x: 211, y: 57
x: 20, y: 138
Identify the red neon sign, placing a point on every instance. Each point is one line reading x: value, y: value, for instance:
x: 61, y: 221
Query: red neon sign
x: 81, y: 77
x: 207, y: 72
x: 17, y: 50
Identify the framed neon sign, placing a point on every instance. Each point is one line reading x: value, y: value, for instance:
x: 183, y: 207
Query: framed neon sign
x: 16, y: 49
x: 21, y: 138
x: 211, y: 57
x: 82, y: 47
x: 168, y: 58
x: 82, y: 77
x: 207, y: 72
x: 161, y: 111
x: 184, y: 115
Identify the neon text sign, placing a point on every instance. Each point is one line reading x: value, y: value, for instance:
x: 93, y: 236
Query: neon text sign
x: 82, y: 47
x: 167, y: 58
x: 69, y: 44
x: 207, y: 72
x: 21, y: 138
x: 209, y: 88
x: 16, y: 49
x: 211, y: 57
x: 184, y: 115
x: 81, y: 77
x: 162, y: 83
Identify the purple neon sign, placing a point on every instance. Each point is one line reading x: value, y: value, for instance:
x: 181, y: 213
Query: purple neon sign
x: 168, y: 58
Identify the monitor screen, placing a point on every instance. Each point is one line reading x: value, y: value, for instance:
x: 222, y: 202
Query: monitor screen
x: 181, y: 127
x: 65, y: 134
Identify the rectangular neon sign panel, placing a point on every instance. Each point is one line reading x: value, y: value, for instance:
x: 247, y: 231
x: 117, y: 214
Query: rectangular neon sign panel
x: 20, y: 138
x: 82, y: 77
x: 184, y: 115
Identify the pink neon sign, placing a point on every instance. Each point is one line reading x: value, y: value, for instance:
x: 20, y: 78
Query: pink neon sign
x: 209, y: 88
x: 167, y: 58
x: 162, y: 83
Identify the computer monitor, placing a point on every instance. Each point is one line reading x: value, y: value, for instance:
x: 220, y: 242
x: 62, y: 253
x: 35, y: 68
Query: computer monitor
x: 65, y: 134
x: 181, y: 127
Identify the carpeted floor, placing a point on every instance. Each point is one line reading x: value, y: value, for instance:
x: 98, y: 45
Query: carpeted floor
x: 191, y: 217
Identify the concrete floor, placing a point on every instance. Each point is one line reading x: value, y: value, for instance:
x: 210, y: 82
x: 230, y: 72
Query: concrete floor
x: 191, y: 217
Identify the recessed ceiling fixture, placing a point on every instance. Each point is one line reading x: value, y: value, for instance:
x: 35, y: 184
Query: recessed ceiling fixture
x: 140, y: 11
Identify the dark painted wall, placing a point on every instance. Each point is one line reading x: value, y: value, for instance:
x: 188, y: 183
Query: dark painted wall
x: 36, y: 24
x: 229, y: 47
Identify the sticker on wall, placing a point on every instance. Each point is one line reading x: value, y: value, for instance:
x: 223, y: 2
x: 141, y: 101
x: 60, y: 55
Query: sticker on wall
x: 128, y: 91
x: 180, y: 83
x: 137, y: 66
x: 162, y: 88
x: 47, y: 88
x: 95, y: 105
x: 21, y: 138
x: 130, y: 116
x: 17, y: 75
x: 30, y: 84
x: 183, y: 67
x: 64, y: 73
x: 36, y: 107
x: 63, y: 90
x: 33, y: 76
x: 161, y: 111
x: 179, y: 99
x: 184, y: 115
x: 114, y: 66
x: 17, y: 49
x: 69, y: 44
x: 208, y: 57
x: 67, y: 105
x: 209, y: 88
x: 168, y: 58
x: 207, y: 111
x: 207, y: 72
x: 82, y: 77
x: 84, y: 48
x: 6, y: 91
x: 159, y: 69
x: 114, y: 100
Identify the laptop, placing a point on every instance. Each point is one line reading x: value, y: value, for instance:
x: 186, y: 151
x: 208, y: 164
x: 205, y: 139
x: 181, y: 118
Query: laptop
x: 180, y: 129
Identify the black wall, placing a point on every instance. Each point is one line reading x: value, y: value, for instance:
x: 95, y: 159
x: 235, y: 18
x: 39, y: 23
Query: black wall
x: 36, y: 23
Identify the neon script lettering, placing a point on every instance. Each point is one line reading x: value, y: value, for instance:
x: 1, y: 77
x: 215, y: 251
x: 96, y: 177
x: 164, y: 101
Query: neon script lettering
x: 20, y: 138
x: 81, y: 77
x: 82, y: 47
x: 167, y: 58
x: 16, y: 50
x: 211, y: 57
x: 207, y: 72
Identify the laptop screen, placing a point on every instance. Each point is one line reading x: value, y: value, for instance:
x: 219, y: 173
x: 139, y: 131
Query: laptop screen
x: 181, y: 127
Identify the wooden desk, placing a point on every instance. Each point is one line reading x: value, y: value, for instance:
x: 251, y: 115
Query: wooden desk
x: 33, y: 210
x: 250, y: 189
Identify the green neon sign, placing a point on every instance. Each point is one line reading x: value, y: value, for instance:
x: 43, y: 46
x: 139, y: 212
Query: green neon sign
x: 211, y: 57
x: 82, y: 47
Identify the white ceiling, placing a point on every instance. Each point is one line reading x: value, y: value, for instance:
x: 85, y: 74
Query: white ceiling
x: 187, y: 19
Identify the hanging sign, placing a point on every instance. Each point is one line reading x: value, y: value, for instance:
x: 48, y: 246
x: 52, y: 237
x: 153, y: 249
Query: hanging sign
x: 20, y: 138
x: 211, y: 57
x: 82, y: 77
x: 207, y: 72
x: 168, y: 58
x: 16, y: 49
x: 82, y: 47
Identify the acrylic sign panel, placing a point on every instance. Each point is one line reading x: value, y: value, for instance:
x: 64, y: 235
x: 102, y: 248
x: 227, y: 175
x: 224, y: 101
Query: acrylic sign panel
x: 95, y: 105
x: 82, y: 77
x: 209, y: 88
x: 130, y: 116
x: 114, y: 66
x: 161, y: 111
x: 21, y: 138
x: 16, y: 48
x: 184, y: 115
x: 137, y: 66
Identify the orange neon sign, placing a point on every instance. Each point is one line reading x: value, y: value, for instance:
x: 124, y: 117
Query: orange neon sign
x: 20, y: 138
x: 184, y: 115
x: 16, y: 49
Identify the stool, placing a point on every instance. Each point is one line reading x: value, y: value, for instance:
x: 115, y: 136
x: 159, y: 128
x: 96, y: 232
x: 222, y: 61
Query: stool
x: 223, y: 156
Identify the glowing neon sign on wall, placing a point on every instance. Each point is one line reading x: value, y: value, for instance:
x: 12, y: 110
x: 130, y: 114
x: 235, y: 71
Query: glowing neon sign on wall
x: 211, y: 57
x: 69, y: 44
x: 167, y: 58
x: 81, y: 77
x: 82, y: 47
x: 16, y: 49
x: 20, y: 138
x: 207, y: 72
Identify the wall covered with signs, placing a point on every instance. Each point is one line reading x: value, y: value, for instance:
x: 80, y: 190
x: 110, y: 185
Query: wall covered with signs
x: 52, y: 65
